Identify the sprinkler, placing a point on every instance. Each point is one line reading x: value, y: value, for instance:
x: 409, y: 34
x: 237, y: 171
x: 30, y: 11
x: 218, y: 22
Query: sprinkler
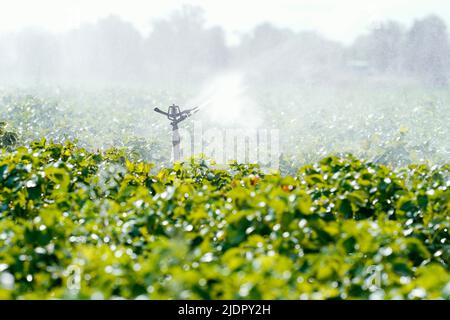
x: 175, y: 115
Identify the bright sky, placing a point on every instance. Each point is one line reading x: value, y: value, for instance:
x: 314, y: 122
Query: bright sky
x: 337, y: 19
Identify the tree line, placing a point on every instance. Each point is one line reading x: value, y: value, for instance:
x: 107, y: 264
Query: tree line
x: 182, y: 48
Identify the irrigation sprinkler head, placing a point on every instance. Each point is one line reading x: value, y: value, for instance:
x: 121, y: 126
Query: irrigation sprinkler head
x: 175, y: 115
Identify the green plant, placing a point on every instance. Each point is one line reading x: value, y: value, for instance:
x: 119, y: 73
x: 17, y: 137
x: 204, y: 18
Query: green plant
x: 7, y: 138
x: 80, y: 224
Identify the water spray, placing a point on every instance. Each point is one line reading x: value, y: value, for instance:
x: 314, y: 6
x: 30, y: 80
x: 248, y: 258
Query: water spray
x: 175, y: 115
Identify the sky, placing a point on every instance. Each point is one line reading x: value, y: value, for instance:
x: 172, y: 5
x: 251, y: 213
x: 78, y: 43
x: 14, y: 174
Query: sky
x: 340, y: 20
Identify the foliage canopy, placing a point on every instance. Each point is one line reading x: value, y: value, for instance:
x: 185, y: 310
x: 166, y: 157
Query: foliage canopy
x: 79, y: 224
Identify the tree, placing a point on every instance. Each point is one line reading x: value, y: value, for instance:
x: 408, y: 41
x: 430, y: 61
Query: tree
x: 427, y: 51
x: 182, y: 49
x: 109, y: 50
x: 37, y: 56
x: 386, y: 47
x: 264, y: 38
x: 274, y: 55
x: 382, y: 48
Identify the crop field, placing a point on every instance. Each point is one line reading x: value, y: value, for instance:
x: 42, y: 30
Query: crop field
x: 391, y: 125
x: 91, y: 206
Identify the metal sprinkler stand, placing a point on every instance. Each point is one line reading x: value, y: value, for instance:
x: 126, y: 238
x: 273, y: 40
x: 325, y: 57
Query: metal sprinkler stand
x: 175, y: 115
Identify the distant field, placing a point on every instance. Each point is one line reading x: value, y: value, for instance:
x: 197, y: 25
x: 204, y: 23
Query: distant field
x: 390, y: 125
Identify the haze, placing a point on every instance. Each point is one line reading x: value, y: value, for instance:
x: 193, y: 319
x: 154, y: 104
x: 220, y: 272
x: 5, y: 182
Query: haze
x: 339, y: 20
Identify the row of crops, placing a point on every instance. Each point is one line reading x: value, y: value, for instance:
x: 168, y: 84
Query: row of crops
x: 78, y: 223
x: 389, y: 125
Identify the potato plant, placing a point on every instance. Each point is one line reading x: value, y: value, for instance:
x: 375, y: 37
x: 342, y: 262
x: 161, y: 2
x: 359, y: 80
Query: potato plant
x: 87, y: 224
